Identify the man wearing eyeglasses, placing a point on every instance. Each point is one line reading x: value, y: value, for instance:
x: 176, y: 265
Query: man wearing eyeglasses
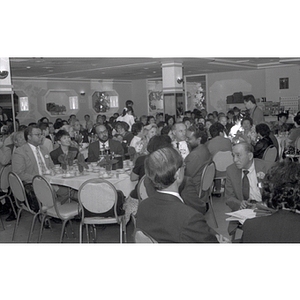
x: 32, y: 159
x: 103, y: 144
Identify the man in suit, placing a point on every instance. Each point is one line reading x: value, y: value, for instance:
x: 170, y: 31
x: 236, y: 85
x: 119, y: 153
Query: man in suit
x: 244, y: 180
x: 103, y: 143
x: 164, y: 216
x: 179, y: 142
x: 244, y: 161
x: 195, y: 162
x: 32, y: 159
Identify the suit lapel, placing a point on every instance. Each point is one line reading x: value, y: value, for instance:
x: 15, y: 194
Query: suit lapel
x: 237, y: 177
x: 31, y: 157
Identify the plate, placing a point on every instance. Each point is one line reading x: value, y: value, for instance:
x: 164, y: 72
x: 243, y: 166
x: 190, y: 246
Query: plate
x: 105, y: 177
x: 65, y: 176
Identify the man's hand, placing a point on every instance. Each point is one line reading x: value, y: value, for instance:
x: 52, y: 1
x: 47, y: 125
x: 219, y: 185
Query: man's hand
x: 244, y: 204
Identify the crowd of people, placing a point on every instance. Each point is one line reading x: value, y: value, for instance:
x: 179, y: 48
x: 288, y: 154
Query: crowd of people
x: 172, y: 152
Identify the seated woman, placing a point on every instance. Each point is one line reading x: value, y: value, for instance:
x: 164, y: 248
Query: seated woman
x: 63, y: 139
x: 263, y: 132
x: 123, y: 136
x: 281, y: 192
x: 247, y: 133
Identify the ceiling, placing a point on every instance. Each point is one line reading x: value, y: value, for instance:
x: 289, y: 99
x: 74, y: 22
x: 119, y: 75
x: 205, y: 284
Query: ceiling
x: 132, y: 68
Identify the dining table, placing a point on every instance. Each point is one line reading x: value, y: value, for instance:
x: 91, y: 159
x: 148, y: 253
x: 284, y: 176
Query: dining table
x: 119, y: 178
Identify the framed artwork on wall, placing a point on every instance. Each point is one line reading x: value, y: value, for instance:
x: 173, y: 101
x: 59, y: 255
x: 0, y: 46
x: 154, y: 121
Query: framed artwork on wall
x: 155, y: 97
x: 283, y: 83
x: 195, y: 92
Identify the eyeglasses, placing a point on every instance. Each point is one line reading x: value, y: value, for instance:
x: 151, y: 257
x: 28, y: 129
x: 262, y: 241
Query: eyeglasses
x: 37, y: 134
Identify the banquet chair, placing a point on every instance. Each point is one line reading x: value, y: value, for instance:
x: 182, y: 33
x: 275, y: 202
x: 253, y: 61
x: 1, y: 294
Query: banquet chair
x: 50, y: 207
x: 93, y: 201
x: 4, y: 186
x: 21, y: 200
x: 142, y: 237
x: 207, y: 182
x: 222, y: 160
x: 270, y: 154
x: 141, y: 189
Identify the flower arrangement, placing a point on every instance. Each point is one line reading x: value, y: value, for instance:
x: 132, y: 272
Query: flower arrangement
x: 67, y: 159
x: 107, y: 160
x: 81, y: 163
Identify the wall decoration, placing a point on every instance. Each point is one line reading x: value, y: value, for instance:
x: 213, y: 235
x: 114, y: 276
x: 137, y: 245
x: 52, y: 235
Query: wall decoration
x: 155, y: 97
x: 283, y: 83
x: 195, y: 89
x: 105, y: 101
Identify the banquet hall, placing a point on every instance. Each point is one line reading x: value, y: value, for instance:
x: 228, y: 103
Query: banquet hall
x: 33, y: 88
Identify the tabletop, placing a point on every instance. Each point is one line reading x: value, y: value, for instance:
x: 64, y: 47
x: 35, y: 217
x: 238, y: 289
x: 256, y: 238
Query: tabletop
x: 121, y: 181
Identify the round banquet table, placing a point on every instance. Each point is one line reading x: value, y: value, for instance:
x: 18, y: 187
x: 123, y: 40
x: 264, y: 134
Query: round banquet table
x: 120, y: 181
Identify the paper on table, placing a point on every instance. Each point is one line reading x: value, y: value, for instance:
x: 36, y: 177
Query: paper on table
x: 241, y: 215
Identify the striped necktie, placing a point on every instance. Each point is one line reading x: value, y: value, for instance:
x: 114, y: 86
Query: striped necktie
x: 41, y: 163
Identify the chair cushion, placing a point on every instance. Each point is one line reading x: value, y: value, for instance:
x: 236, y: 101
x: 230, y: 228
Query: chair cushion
x: 100, y: 220
x: 67, y: 211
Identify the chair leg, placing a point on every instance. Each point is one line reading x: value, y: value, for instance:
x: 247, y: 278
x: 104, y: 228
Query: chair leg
x: 31, y: 227
x: 41, y: 228
x: 72, y: 229
x: 63, y: 230
x: 12, y: 205
x: 213, y: 211
x: 121, y: 232
x: 94, y: 231
x: 80, y: 232
x: 17, y: 223
x: 87, y: 232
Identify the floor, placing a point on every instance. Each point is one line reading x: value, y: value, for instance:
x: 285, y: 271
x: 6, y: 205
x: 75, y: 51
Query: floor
x: 105, y: 234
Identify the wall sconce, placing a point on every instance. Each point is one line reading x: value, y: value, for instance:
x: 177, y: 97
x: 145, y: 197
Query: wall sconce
x: 23, y: 104
x: 3, y: 74
x: 179, y: 80
x: 73, y: 102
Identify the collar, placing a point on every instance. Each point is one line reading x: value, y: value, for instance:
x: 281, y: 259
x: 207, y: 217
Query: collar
x: 172, y: 193
x: 251, y: 169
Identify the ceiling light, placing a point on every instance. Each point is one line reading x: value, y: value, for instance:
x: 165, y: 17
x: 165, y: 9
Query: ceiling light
x: 28, y: 67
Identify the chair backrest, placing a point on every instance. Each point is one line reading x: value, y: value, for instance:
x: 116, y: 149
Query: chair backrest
x: 98, y: 196
x: 141, y: 189
x: 4, y: 184
x: 142, y: 237
x: 222, y: 160
x: 270, y: 154
x: 18, y: 190
x: 207, y: 178
x: 44, y: 193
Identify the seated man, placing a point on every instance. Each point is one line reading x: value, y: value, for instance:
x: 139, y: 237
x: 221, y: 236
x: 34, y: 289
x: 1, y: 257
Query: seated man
x: 244, y: 179
x: 179, y: 141
x: 63, y: 139
x: 103, y: 143
x: 34, y: 159
x: 164, y: 216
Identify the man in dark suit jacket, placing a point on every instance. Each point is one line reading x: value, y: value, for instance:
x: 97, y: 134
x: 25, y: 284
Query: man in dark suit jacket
x: 164, y: 216
x: 195, y: 163
x: 105, y: 143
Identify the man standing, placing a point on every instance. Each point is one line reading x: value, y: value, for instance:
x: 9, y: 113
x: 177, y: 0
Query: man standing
x: 179, y: 141
x: 255, y: 113
x: 195, y: 162
x: 104, y: 143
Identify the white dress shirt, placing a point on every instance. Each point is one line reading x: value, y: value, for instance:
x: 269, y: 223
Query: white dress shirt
x: 254, y: 189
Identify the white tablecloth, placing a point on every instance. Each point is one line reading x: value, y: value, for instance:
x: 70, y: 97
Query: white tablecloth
x: 122, y: 182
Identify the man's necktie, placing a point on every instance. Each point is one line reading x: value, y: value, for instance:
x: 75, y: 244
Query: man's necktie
x: 40, y: 161
x: 246, y: 185
x: 177, y: 145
